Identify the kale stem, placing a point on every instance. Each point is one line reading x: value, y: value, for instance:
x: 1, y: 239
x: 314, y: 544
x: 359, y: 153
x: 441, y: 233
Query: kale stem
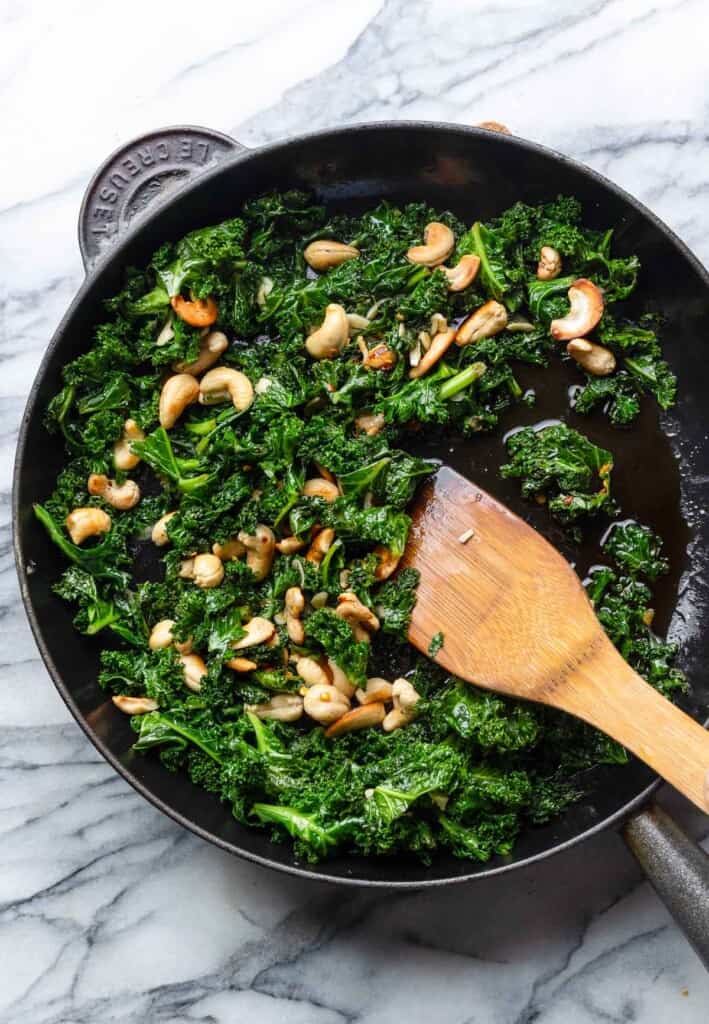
x: 461, y: 381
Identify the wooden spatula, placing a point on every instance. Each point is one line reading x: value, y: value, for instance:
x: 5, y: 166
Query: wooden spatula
x: 516, y: 619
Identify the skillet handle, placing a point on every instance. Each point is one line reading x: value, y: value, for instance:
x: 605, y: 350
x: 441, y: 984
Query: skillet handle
x: 140, y: 176
x: 677, y: 869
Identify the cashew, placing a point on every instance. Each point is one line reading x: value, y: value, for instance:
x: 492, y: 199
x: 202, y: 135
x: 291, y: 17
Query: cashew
x: 387, y: 562
x: 370, y: 423
x: 549, y: 265
x: 177, y: 393
x: 211, y: 346
x: 376, y: 689
x: 161, y: 635
x: 159, y: 535
x: 332, y: 335
x: 197, y: 313
x: 320, y: 546
x: 121, y: 496
x: 134, y: 705
x: 87, y: 522
x: 260, y: 550
x: 439, y: 346
x: 295, y: 603
x: 351, y: 609
x: 357, y: 322
x: 311, y: 672
x: 207, y: 571
x: 187, y: 568
x: 224, y: 383
x: 167, y: 331
x: 241, y: 664
x: 405, y: 699
x: 282, y: 707
x: 324, y: 703
x: 318, y: 487
x: 194, y: 671
x: 230, y: 551
x: 586, y: 310
x: 462, y: 274
x: 264, y: 290
x: 595, y: 359
x: 381, y: 357
x: 324, y: 253
x: 488, y: 320
x: 289, y: 545
x: 123, y: 457
x: 439, y: 241
x: 339, y: 678
x: 363, y: 717
x: 258, y: 631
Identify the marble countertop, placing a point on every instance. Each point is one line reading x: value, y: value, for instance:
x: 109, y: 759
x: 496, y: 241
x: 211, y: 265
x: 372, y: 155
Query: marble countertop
x: 108, y: 911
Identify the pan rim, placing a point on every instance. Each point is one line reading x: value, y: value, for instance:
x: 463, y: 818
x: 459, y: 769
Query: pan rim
x: 114, y: 254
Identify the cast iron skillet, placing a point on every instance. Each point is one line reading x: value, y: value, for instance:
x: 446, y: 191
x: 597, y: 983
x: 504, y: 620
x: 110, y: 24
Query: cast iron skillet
x: 164, y: 184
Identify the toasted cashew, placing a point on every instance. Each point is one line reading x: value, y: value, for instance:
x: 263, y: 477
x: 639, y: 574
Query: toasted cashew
x: 121, y: 496
x: 312, y: 672
x: 549, y: 265
x: 159, y: 535
x: 405, y: 699
x: 211, y: 347
x: 83, y: 523
x: 324, y: 703
x: 586, y: 310
x: 224, y: 383
x: 318, y: 487
x: 187, y: 568
x: 260, y: 550
x: 320, y: 546
x: 370, y: 423
x: 324, y: 253
x: 331, y: 336
x: 488, y: 320
x: 380, y: 357
x: 161, y: 637
x: 595, y: 359
x: 376, y: 689
x: 177, y: 393
x: 289, y: 545
x: 194, y: 670
x: 439, y: 241
x: 282, y: 707
x: 357, y: 322
x: 295, y: 603
x: 197, y: 313
x: 387, y: 562
x: 123, y: 457
x: 134, y: 705
x: 258, y: 631
x: 207, y: 571
x: 363, y: 717
x: 339, y: 678
x: 230, y: 551
x: 241, y: 664
x: 439, y: 346
x: 462, y: 274
x: 351, y: 609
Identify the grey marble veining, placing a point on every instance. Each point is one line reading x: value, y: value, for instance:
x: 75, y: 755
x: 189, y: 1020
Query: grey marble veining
x: 108, y: 911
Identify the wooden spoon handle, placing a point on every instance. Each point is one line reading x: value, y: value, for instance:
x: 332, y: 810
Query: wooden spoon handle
x: 607, y: 693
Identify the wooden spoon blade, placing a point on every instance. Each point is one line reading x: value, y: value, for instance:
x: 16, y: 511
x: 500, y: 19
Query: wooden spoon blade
x: 512, y: 610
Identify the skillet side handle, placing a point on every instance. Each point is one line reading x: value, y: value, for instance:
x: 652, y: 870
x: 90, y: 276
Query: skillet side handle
x: 677, y: 869
x: 141, y: 175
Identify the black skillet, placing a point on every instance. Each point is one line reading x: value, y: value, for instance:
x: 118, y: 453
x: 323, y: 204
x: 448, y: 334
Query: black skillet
x: 166, y: 183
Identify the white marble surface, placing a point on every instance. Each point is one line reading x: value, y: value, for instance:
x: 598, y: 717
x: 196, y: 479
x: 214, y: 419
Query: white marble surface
x: 108, y: 911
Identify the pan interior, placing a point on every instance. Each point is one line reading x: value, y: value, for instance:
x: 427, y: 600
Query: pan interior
x: 661, y: 479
